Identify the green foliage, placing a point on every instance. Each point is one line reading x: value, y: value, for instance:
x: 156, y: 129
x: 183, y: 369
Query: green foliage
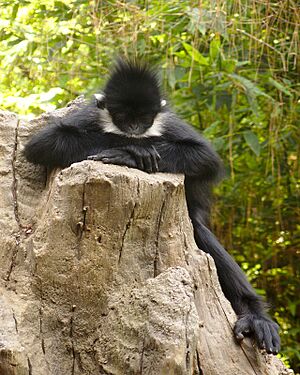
x: 231, y: 69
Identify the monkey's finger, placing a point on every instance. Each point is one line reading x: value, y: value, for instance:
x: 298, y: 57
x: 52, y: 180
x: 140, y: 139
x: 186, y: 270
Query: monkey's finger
x: 107, y: 160
x: 104, y: 154
x: 133, y: 151
x: 129, y: 162
x: 154, y: 158
x: 156, y: 152
x: 112, y: 153
x: 275, y: 339
x: 239, y: 336
x: 148, y: 163
x: 111, y: 160
x: 140, y: 162
x: 154, y: 163
x: 94, y: 157
x: 272, y: 339
x: 259, y: 333
x: 153, y: 155
x: 242, y: 326
x: 268, y: 338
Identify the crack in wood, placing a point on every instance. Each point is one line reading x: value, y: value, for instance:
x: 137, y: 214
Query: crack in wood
x: 14, y: 189
x: 29, y: 366
x: 84, y: 209
x: 105, y: 372
x: 142, y: 356
x: 156, y: 242
x: 81, y: 226
x: 72, y: 339
x: 129, y: 222
x: 40, y: 317
x: 14, y: 178
x: 15, y: 320
x: 199, y: 363
x: 13, y: 257
x: 41, y: 329
x: 185, y: 246
x: 188, y: 351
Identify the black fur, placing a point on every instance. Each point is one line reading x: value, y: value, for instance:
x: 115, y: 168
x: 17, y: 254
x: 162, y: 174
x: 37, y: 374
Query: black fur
x: 129, y: 125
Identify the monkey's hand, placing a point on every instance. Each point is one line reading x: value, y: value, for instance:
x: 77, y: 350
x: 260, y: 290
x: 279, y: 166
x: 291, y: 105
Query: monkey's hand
x: 264, y: 330
x: 147, y: 158
x: 143, y: 158
x: 115, y: 156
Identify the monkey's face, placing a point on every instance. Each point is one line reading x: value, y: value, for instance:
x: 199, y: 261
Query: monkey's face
x: 133, y: 100
x: 133, y: 122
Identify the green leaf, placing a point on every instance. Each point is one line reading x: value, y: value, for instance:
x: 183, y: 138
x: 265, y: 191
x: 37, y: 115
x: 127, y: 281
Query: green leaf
x: 197, y: 21
x: 195, y: 54
x: 280, y: 87
x: 211, y: 129
x: 171, y: 78
x: 214, y: 49
x: 252, y: 141
x: 218, y: 143
x: 229, y: 65
x: 250, y: 86
x: 253, y: 103
x: 15, y: 11
x: 202, y: 28
x: 292, y: 307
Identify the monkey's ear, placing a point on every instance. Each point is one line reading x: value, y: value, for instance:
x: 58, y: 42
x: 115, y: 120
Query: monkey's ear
x: 100, y: 100
x: 163, y: 102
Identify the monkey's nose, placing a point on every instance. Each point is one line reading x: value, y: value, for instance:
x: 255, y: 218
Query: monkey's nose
x: 135, y: 128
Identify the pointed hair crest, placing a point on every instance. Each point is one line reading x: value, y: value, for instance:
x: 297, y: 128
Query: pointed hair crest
x: 132, y: 83
x: 135, y: 70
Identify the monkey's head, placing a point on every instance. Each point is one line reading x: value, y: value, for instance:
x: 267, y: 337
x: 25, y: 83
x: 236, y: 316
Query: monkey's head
x: 132, y: 98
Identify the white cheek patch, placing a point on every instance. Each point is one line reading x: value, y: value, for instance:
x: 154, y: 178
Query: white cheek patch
x: 107, y: 124
x: 155, y: 130
x: 163, y: 102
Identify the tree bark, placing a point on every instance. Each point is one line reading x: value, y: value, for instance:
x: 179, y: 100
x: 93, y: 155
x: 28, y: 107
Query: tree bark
x: 100, y: 274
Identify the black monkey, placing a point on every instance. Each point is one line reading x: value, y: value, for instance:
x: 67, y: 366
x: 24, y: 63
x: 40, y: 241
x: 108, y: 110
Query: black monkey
x: 130, y: 124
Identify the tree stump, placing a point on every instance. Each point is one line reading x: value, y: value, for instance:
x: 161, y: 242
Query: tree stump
x: 100, y: 274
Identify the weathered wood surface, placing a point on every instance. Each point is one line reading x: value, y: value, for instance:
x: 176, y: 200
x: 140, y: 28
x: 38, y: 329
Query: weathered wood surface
x: 100, y: 274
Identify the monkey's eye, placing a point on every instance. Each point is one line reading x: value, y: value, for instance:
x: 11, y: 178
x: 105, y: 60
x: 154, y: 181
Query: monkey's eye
x: 120, y: 116
x: 147, y: 118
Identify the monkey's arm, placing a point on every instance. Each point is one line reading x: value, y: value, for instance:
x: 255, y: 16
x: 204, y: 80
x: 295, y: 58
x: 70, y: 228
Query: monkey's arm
x: 63, y: 142
x: 183, y: 150
x: 179, y: 149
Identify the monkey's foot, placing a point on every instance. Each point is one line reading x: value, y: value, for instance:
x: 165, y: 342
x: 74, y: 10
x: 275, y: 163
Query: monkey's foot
x: 262, y: 328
